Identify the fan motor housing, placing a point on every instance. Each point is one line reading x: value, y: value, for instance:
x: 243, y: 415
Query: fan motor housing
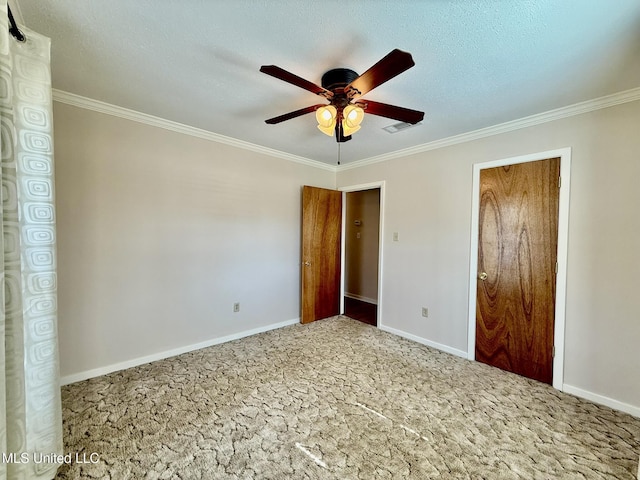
x: 338, y: 78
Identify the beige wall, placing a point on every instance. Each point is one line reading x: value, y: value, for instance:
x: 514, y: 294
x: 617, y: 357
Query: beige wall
x: 361, y: 244
x: 428, y: 201
x: 159, y: 233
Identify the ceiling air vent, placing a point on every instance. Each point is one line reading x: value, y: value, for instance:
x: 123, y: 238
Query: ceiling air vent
x: 397, y: 127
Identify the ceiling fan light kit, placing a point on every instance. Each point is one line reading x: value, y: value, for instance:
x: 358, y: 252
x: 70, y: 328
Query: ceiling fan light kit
x: 329, y: 116
x: 343, y: 88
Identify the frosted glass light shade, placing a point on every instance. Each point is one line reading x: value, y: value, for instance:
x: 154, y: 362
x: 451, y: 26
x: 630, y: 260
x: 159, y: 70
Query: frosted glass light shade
x: 352, y: 118
x: 347, y: 130
x: 353, y: 115
x: 326, y: 117
x: 328, y: 130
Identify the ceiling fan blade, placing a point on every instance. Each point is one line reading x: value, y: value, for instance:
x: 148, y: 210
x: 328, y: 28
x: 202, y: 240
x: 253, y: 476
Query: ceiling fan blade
x: 289, y: 77
x: 393, y: 64
x: 391, y: 111
x: 290, y: 115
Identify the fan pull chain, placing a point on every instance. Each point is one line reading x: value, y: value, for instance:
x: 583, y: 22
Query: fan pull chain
x: 338, y: 153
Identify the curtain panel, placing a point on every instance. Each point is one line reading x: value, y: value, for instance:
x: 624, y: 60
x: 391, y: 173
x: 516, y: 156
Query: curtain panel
x: 30, y: 409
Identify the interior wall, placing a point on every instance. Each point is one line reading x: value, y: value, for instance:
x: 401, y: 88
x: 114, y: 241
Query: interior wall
x: 361, y: 244
x: 428, y: 202
x: 160, y: 233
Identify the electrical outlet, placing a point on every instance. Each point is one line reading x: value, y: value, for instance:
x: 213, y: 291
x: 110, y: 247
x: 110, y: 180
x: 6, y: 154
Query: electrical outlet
x: 236, y: 307
x: 425, y: 312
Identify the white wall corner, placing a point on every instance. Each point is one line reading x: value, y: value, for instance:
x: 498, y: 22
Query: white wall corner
x: 424, y: 341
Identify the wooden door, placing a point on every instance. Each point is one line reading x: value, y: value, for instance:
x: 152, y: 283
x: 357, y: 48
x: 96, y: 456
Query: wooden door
x: 517, y: 248
x: 321, y: 235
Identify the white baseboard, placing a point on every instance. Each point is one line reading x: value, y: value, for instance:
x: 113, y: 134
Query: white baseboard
x: 355, y: 296
x: 602, y: 400
x: 424, y: 341
x: 578, y: 392
x: 97, y: 372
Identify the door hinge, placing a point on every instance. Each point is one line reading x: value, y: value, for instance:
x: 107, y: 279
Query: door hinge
x: 559, y: 182
x: 553, y: 352
x: 556, y: 268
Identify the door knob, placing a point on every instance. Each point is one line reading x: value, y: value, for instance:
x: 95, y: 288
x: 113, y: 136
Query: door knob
x: 483, y: 276
x: 307, y: 264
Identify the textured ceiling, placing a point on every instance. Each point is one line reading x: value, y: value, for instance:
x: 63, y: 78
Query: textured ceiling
x: 478, y: 63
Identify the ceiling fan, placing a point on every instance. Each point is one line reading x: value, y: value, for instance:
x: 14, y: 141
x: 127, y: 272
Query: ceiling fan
x: 343, y: 88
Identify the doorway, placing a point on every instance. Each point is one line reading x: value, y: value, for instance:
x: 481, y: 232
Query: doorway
x: 361, y: 240
x: 324, y: 255
x: 362, y: 247
x: 485, y: 211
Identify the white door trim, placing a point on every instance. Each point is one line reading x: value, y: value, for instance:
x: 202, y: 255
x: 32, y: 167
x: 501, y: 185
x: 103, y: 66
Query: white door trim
x: 357, y: 188
x: 563, y: 237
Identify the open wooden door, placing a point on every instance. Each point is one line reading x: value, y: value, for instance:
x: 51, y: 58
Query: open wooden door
x: 321, y: 242
x: 517, y: 248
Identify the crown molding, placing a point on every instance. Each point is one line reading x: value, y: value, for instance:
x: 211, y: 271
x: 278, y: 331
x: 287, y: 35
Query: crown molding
x: 549, y: 116
x: 116, y: 111
x: 557, y: 114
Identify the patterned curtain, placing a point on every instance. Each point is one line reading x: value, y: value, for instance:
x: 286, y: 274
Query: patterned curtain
x: 30, y: 411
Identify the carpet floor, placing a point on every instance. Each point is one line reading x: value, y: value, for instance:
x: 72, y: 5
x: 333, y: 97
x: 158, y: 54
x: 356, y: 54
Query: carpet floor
x: 337, y: 399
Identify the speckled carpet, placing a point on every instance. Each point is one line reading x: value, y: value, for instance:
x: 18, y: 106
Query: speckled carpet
x: 336, y: 399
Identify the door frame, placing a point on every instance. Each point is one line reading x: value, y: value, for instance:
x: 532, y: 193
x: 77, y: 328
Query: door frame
x: 562, y: 253
x: 357, y: 188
